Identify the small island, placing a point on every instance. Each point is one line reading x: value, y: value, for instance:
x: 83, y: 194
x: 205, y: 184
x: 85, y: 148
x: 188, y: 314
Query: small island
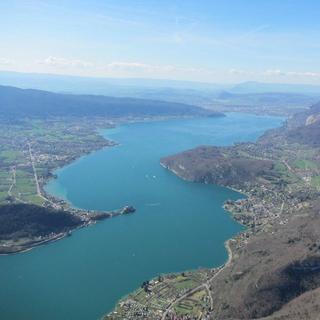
x: 127, y: 210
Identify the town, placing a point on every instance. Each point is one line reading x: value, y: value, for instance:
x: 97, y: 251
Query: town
x: 30, y: 151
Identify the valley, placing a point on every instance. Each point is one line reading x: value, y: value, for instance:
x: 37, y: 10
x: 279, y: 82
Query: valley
x: 275, y: 262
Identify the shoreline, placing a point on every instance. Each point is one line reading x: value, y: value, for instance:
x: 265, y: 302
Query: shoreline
x: 110, y: 144
x: 54, y: 202
x: 38, y: 244
x: 88, y: 219
x: 217, y: 270
x: 227, y: 244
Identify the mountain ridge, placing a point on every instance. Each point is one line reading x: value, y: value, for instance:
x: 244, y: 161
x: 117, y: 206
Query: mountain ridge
x: 16, y: 102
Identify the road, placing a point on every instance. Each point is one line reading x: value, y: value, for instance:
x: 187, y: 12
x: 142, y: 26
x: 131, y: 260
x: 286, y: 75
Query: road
x: 36, y: 176
x: 287, y: 165
x: 13, y: 181
x: 205, y: 285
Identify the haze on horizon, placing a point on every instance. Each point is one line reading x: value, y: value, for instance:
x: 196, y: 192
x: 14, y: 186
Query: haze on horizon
x: 209, y: 40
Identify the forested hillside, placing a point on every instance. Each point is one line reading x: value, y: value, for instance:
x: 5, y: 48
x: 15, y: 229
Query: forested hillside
x: 15, y: 103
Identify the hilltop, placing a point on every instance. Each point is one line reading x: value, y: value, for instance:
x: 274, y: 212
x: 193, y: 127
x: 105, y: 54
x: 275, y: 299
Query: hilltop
x: 25, y: 225
x: 253, y: 97
x: 20, y: 103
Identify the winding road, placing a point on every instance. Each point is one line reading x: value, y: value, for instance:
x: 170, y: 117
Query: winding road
x: 205, y: 285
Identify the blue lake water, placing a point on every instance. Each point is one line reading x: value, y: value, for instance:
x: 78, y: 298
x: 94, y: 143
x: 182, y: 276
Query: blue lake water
x: 178, y: 225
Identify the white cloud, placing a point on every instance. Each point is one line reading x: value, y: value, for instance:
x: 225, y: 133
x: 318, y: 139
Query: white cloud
x: 120, y: 68
x: 141, y: 67
x: 274, y: 72
x: 304, y: 74
x: 292, y: 74
x: 170, y: 71
x: 275, y: 75
x: 120, y: 65
x: 65, y: 63
x: 239, y: 72
x: 4, y: 61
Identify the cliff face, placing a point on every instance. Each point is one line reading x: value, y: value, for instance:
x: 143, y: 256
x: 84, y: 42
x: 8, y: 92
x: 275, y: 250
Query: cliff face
x: 308, y: 134
x: 304, y: 128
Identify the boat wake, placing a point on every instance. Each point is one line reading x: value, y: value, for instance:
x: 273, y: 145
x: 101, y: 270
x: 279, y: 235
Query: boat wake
x: 153, y: 204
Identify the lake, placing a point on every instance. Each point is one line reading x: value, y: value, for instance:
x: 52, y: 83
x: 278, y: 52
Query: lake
x: 178, y: 225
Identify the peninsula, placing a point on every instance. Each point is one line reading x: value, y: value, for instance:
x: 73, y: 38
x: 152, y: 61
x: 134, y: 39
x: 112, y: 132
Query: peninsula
x: 42, y: 131
x: 273, y: 267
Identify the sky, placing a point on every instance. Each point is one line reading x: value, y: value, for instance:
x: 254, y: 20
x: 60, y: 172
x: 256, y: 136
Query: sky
x: 200, y: 40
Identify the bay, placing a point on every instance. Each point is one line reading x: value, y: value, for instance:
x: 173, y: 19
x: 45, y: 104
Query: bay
x: 178, y: 225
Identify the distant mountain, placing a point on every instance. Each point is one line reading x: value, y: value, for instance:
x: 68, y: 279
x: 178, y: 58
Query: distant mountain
x: 15, y: 103
x: 267, y: 99
x: 136, y: 86
x: 259, y: 87
x: 104, y: 86
x: 208, y: 95
x: 155, y: 89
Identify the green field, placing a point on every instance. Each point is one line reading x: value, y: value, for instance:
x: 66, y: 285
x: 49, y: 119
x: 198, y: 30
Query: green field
x: 315, y: 182
x: 25, y: 187
x: 193, y: 305
x: 280, y: 167
x: 10, y: 156
x: 185, y: 283
x: 305, y: 164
